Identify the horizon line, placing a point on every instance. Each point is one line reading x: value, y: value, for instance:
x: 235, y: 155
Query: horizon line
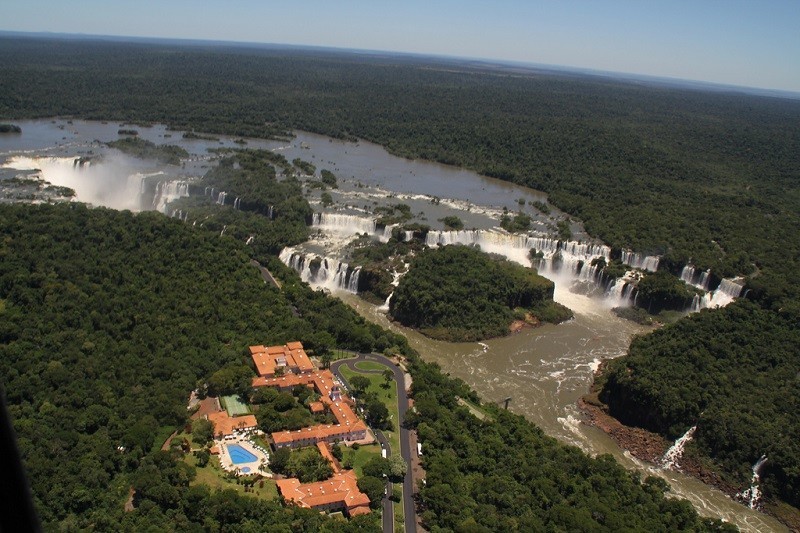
x: 674, y: 82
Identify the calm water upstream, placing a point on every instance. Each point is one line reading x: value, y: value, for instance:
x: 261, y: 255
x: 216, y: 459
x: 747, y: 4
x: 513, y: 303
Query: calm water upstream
x: 543, y: 370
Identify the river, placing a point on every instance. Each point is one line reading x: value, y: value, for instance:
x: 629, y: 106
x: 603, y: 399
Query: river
x: 544, y: 370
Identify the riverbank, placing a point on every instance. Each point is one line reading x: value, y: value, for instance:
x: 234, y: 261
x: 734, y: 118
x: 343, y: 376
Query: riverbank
x: 651, y: 447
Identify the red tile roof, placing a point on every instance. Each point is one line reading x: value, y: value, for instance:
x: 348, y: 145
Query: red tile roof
x: 340, y: 489
x: 225, y: 425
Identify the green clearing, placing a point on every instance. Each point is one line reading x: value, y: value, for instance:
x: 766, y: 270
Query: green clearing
x: 399, y: 511
x: 388, y: 396
x: 370, y: 365
x: 234, y: 405
x: 361, y: 456
x: 163, y: 434
x: 476, y: 410
x: 215, y: 477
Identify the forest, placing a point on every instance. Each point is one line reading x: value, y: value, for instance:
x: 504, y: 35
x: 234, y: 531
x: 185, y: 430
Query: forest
x: 709, y: 177
x: 733, y: 373
x: 458, y: 293
x: 504, y: 474
x: 110, y: 319
x: 692, y: 175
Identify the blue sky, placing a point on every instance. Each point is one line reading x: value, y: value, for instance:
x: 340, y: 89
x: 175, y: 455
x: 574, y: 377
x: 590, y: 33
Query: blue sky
x: 749, y: 43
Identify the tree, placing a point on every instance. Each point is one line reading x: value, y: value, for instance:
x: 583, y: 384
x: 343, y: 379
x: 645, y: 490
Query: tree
x: 202, y: 431
x: 279, y: 459
x: 378, y: 415
x: 359, y: 384
x: 327, y: 358
x: 397, y: 467
x: 374, y: 488
x: 202, y: 457
x: 231, y: 380
x: 388, y: 376
x: 308, y: 465
x: 377, y: 467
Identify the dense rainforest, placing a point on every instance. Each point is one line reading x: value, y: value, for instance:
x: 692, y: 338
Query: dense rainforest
x: 503, y: 474
x: 735, y: 374
x: 110, y: 319
x: 706, y: 176
x: 710, y: 177
x: 458, y: 293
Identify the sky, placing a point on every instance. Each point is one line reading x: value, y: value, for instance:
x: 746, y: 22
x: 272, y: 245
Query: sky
x: 754, y: 43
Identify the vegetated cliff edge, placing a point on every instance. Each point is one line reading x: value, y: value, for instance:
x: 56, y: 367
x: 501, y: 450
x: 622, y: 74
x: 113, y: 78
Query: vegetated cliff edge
x: 458, y: 293
x: 734, y: 373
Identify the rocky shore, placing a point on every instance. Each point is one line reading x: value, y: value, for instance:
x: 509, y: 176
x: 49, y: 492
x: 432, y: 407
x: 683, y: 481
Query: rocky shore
x: 651, y: 447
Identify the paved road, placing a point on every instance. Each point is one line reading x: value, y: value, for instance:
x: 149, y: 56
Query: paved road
x: 405, y: 443
x: 266, y: 274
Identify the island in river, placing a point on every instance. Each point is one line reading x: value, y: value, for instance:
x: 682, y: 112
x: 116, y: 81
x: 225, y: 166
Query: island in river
x: 457, y: 293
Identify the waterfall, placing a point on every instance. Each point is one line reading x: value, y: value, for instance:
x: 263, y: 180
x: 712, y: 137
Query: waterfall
x: 348, y: 224
x: 167, y: 192
x: 395, y: 282
x: 236, y: 203
x: 559, y: 259
x: 675, y: 452
x: 221, y: 198
x: 642, y: 262
x: 556, y: 254
x: 269, y: 214
x: 250, y: 239
x: 727, y: 291
x: 221, y: 233
x: 322, y: 272
x: 752, y: 496
x: 408, y: 235
x: 386, y: 234
x: 692, y: 276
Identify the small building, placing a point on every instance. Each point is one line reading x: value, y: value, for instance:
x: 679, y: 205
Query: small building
x: 275, y: 360
x: 339, y: 493
x: 229, y: 426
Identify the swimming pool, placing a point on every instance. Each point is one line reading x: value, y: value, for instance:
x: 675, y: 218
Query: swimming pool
x: 239, y: 455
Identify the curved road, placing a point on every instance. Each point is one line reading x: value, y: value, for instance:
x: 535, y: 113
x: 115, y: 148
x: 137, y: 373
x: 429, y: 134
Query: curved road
x: 405, y: 443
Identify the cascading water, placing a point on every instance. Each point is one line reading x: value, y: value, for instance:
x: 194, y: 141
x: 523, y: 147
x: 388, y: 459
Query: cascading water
x: 642, y: 262
x: 340, y: 223
x: 221, y: 233
x: 675, y: 452
x: 695, y: 277
x: 566, y: 261
x: 167, y: 192
x: 395, y: 282
x: 752, y: 496
x: 386, y: 234
x: 221, y: 198
x: 269, y: 214
x: 321, y: 271
x: 236, y: 203
x: 727, y: 291
x: 113, y: 181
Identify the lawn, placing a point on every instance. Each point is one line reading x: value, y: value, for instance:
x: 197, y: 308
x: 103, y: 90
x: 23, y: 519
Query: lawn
x: 386, y: 395
x: 234, y: 405
x: 361, y: 456
x: 370, y: 365
x: 214, y: 476
x: 163, y: 434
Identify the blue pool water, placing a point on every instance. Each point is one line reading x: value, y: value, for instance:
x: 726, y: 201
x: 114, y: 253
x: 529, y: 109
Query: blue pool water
x: 239, y: 455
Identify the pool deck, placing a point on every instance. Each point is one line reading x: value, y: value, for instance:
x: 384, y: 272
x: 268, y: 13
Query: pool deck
x: 262, y: 458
